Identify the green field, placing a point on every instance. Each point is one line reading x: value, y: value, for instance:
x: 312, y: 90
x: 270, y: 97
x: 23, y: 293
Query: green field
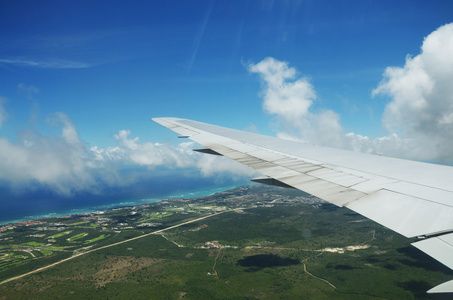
x: 59, y: 234
x: 156, y: 215
x: 77, y: 236
x: 34, y: 244
x: 101, y: 237
x: 46, y: 252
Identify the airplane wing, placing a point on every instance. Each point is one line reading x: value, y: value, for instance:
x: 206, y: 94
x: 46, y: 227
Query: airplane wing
x: 412, y: 198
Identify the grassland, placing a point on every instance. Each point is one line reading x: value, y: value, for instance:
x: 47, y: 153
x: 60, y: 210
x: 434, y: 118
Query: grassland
x: 59, y: 234
x: 293, y: 248
x: 77, y: 236
x: 96, y: 239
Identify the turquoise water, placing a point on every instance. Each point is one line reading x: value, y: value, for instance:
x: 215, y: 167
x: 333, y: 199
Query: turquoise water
x: 50, y: 211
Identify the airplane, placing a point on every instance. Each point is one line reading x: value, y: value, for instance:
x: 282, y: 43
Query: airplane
x: 415, y: 199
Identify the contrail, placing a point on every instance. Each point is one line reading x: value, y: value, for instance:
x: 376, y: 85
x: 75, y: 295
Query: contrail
x: 200, y: 34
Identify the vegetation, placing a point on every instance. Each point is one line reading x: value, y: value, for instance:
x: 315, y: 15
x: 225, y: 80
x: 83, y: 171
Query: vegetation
x: 35, y: 244
x: 101, y: 237
x: 60, y: 234
x: 77, y: 236
x: 271, y: 244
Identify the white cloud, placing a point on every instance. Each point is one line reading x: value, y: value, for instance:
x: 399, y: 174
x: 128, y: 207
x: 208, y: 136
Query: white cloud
x: 422, y: 97
x: 64, y: 164
x: 54, y: 162
x: 419, y: 117
x: 290, y: 99
x: 132, y: 151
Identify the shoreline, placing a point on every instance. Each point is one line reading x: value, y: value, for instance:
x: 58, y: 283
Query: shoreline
x: 123, y: 203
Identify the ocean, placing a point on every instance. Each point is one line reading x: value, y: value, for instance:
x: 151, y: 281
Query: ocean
x: 38, y: 204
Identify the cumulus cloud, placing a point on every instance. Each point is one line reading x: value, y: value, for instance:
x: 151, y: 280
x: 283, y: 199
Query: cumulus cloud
x: 65, y: 164
x: 133, y: 151
x: 290, y: 99
x: 422, y: 96
x: 56, y: 162
x: 419, y: 116
x: 285, y: 97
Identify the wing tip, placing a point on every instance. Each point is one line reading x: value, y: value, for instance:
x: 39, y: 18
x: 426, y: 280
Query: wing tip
x: 446, y: 287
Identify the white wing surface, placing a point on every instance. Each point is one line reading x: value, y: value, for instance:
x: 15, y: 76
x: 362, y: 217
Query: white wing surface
x: 412, y: 198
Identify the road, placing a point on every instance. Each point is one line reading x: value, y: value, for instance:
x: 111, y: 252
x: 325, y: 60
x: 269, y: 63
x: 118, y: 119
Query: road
x: 103, y: 247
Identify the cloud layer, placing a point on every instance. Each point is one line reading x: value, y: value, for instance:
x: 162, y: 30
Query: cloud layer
x: 58, y: 163
x: 419, y: 116
x: 65, y: 165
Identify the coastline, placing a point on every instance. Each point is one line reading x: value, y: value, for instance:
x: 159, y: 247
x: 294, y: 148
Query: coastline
x: 201, y: 192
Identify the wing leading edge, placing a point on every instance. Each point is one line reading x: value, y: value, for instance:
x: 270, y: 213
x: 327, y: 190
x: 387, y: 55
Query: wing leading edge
x: 412, y: 198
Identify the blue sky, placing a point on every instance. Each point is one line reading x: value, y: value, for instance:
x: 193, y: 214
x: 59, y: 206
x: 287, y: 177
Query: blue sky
x: 81, y: 79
